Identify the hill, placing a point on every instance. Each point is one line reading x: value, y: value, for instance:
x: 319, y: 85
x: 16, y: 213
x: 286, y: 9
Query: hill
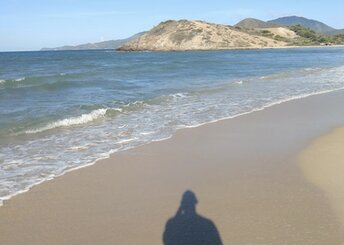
x: 111, y: 44
x: 306, y: 36
x: 197, y: 35
x: 314, y: 25
x: 251, y: 23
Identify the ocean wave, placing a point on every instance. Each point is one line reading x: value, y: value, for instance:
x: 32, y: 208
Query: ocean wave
x: 89, y: 117
x: 178, y: 95
x: 133, y: 106
x: 19, y: 79
x: 295, y: 73
x: 314, y: 69
x: 49, y: 82
x: 72, y: 121
x: 173, y: 96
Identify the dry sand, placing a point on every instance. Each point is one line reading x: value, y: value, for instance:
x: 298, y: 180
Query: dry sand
x: 323, y: 165
x: 243, y: 171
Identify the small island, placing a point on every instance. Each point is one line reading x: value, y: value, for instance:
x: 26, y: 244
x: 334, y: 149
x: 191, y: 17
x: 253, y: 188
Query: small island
x: 186, y: 35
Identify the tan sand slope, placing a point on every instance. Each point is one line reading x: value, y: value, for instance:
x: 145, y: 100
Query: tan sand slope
x: 197, y: 35
x: 323, y: 165
x: 280, y: 31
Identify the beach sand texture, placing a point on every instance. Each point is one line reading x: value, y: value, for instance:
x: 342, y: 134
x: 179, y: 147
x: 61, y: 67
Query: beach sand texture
x: 244, y: 173
x: 323, y: 165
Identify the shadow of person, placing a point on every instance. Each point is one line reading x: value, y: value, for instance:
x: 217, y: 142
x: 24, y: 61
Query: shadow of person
x: 189, y: 228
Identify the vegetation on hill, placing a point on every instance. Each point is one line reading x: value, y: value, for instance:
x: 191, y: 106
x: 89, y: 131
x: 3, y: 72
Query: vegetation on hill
x: 303, y: 36
x: 281, y: 34
x: 310, y: 37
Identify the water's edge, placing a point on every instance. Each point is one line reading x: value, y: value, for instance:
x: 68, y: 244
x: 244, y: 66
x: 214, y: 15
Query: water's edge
x: 4, y: 199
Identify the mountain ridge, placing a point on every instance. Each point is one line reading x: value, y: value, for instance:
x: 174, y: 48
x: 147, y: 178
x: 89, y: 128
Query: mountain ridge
x: 110, y: 44
x: 252, y: 23
x: 314, y: 25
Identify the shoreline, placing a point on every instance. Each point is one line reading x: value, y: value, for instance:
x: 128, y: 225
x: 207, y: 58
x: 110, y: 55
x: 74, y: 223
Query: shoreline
x: 4, y: 199
x: 282, y: 47
x: 227, y: 49
x: 242, y: 170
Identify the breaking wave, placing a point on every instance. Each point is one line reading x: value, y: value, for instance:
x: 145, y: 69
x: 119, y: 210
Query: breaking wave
x: 72, y: 121
x: 102, y: 113
x: 19, y: 79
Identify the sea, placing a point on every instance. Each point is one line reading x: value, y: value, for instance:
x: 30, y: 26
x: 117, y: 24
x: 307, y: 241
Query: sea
x: 63, y: 110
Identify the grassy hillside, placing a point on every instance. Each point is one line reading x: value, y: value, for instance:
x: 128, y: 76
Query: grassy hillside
x: 310, y: 37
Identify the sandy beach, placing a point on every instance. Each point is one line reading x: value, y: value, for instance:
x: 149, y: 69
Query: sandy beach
x: 253, y: 179
x: 322, y: 164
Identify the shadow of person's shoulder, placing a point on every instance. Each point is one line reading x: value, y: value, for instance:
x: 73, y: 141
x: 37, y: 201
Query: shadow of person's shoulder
x: 191, y: 231
x: 207, y: 223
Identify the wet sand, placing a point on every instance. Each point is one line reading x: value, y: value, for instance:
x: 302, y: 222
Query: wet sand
x: 245, y: 174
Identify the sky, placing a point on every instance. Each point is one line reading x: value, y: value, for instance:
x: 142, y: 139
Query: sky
x: 33, y: 24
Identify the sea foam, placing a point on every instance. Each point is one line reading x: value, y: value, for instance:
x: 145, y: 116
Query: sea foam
x: 12, y: 80
x: 19, y: 79
x: 72, y: 121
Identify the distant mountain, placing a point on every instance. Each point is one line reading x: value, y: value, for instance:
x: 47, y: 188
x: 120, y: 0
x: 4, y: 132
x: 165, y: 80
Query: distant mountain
x: 112, y: 44
x: 173, y: 35
x: 251, y: 23
x: 314, y: 25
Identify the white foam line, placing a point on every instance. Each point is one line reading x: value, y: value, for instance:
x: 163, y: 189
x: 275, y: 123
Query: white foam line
x: 267, y: 106
x: 179, y: 95
x: 84, y: 118
x: 107, y: 155
x: 19, y: 79
x: 13, y: 80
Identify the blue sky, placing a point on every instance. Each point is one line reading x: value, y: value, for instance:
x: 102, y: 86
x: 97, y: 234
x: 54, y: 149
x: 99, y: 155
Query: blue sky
x: 33, y: 24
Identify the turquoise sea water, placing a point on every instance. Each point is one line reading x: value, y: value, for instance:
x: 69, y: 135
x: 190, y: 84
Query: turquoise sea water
x: 64, y: 110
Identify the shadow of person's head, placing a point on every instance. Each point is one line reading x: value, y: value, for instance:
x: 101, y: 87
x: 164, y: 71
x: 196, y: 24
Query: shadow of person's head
x: 188, y: 227
x: 188, y: 204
